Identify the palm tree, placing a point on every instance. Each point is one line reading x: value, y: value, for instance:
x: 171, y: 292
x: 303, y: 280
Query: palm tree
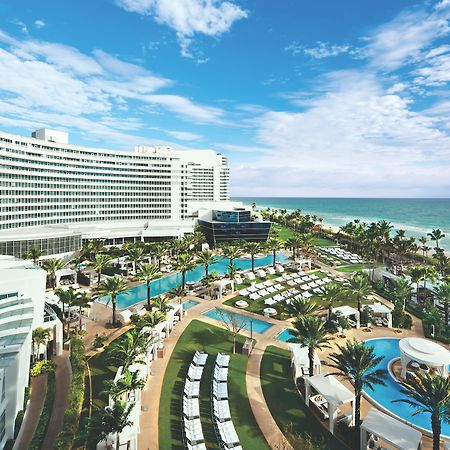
x: 401, y: 290
x: 112, y: 287
x: 231, y: 252
x: 68, y: 297
x: 442, y: 293
x: 161, y: 304
x: 40, y: 336
x: 149, y: 320
x: 52, y: 265
x: 34, y: 253
x: 206, y: 258
x: 301, y: 307
x: 416, y: 274
x: 184, y: 263
x: 82, y: 302
x: 99, y: 263
x: 357, y: 363
x: 429, y: 394
x: 135, y: 255
x: 310, y: 331
x: 95, y: 246
x: 148, y: 273
x: 110, y: 420
x: 177, y: 292
x: 129, y: 349
x: 274, y: 245
x: 332, y: 293
x: 436, y: 236
x: 253, y: 248
x: 129, y: 382
x: 358, y: 288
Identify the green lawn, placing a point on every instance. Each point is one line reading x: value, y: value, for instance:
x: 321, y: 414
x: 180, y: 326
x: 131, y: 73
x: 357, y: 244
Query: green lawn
x: 323, y: 242
x: 286, y: 405
x: 352, y: 268
x: 284, y: 233
x: 211, y: 339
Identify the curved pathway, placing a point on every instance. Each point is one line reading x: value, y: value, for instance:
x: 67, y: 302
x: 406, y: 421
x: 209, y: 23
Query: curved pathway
x: 33, y: 412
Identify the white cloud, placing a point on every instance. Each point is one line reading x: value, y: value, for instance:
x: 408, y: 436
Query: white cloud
x: 39, y: 23
x: 189, y: 17
x: 184, y: 135
x: 22, y: 26
x: 320, y: 51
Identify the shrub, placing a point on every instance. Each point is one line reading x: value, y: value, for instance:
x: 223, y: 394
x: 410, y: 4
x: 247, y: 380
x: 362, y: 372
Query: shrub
x: 18, y: 422
x: 41, y: 367
x: 99, y: 340
x: 66, y: 437
x: 41, y: 429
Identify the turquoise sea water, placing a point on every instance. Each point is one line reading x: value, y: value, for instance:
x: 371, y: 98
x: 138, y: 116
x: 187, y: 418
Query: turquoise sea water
x: 384, y: 395
x: 416, y: 216
x: 256, y: 325
x: 163, y: 285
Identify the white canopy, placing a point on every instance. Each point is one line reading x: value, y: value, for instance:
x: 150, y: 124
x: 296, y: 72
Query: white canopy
x: 381, y: 309
x: 300, y: 360
x: 347, y: 311
x: 390, y: 430
x: 303, y: 262
x: 333, y: 391
x: 426, y: 352
x: 221, y: 285
x: 65, y: 273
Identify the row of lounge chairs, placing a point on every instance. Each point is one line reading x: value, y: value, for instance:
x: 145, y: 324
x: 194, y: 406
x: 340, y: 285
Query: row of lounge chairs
x: 225, y: 431
x: 340, y: 253
x: 261, y: 273
x: 193, y: 433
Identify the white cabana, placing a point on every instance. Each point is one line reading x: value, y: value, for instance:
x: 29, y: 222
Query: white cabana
x: 304, y: 262
x: 220, y: 286
x: 332, y: 394
x: 390, y: 430
x: 300, y: 361
x: 380, y: 309
x: 425, y: 352
x: 347, y: 311
x: 65, y: 273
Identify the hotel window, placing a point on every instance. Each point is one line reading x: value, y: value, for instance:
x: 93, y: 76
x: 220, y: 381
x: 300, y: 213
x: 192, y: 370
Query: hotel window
x: 2, y: 425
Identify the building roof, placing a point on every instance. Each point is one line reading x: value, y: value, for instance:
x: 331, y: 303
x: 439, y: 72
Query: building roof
x: 425, y: 351
x: 331, y: 389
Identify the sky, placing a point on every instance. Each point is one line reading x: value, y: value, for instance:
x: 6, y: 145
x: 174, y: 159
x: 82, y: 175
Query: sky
x: 319, y: 98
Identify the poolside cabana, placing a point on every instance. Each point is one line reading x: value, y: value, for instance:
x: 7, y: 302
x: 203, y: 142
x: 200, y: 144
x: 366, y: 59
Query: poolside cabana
x: 300, y: 361
x: 389, y: 430
x: 220, y: 286
x: 348, y: 311
x: 68, y: 275
x: 382, y: 311
x: 174, y: 314
x: 424, y: 351
x: 331, y: 394
x: 304, y: 262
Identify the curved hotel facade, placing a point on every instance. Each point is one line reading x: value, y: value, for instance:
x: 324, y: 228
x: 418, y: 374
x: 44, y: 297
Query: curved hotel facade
x: 54, y: 194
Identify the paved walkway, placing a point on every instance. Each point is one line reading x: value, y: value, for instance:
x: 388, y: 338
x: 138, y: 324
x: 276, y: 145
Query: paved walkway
x: 32, y: 413
x: 63, y: 381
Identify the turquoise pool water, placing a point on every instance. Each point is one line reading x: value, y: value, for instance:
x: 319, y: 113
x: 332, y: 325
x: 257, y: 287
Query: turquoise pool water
x: 163, y: 285
x: 384, y: 395
x: 285, y: 335
x: 258, y: 326
x: 189, y: 304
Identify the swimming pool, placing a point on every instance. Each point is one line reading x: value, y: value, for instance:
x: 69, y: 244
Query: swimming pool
x: 384, y: 395
x: 163, y: 285
x: 189, y: 304
x: 285, y: 335
x: 258, y: 326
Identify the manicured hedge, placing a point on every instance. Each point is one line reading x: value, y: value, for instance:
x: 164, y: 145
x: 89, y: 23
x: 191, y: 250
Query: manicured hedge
x: 66, y: 437
x: 41, y: 429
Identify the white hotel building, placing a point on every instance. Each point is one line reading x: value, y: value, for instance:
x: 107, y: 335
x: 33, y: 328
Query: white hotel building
x: 53, y: 195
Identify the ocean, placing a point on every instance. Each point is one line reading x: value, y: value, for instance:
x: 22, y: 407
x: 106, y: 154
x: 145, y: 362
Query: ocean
x: 416, y: 216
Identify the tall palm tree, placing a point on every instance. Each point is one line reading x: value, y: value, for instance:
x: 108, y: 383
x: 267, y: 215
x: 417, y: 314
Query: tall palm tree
x: 51, y: 266
x: 67, y: 297
x: 135, y: 255
x: 231, y: 252
x: 99, y: 263
x: 401, y: 290
x: 332, y: 293
x: 416, y: 274
x: 301, y: 307
x: 110, y: 420
x: 149, y: 320
x: 177, y: 292
x: 39, y: 336
x: 436, y: 236
x: 442, y: 293
x: 148, y: 273
x: 357, y: 363
x: 253, y: 248
x: 429, y: 394
x: 310, y: 331
x: 358, y: 288
x: 129, y: 382
x: 112, y: 287
x: 274, y: 245
x: 161, y: 304
x: 206, y: 258
x: 34, y: 253
x: 95, y: 246
x: 184, y: 263
x: 129, y: 349
x: 82, y: 301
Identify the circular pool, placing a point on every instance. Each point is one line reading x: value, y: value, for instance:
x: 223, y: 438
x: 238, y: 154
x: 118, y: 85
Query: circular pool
x: 384, y: 395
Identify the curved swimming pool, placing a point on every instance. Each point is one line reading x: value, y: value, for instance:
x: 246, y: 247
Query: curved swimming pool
x: 384, y: 395
x: 163, y: 285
